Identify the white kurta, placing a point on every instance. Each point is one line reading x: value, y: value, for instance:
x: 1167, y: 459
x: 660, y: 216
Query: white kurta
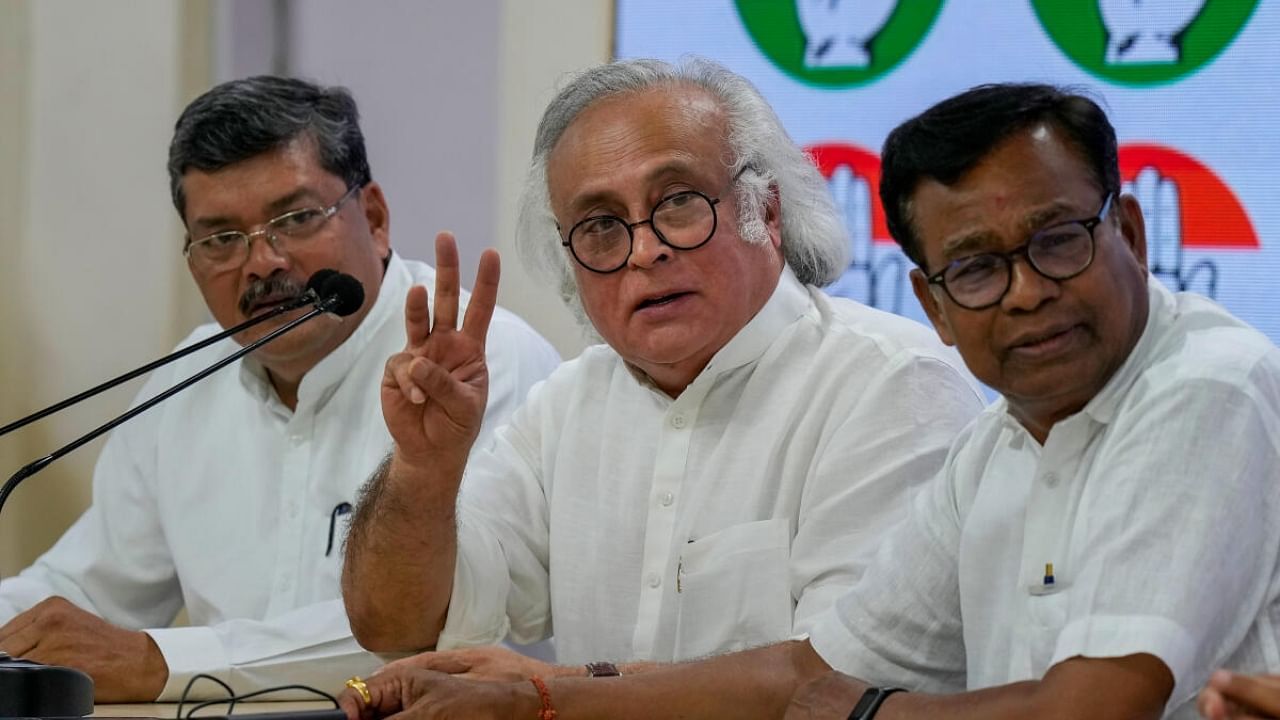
x: 1158, y: 505
x: 221, y: 499
x: 639, y: 527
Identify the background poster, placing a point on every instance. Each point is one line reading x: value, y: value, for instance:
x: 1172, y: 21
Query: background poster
x: 1189, y: 84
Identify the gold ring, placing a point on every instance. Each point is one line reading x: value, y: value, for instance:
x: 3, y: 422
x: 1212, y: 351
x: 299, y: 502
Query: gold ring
x: 355, y: 683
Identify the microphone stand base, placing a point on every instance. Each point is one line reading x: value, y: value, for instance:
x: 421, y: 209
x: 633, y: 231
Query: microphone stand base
x: 29, y: 689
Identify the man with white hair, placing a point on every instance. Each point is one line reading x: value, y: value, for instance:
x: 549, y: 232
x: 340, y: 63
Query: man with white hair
x: 708, y: 479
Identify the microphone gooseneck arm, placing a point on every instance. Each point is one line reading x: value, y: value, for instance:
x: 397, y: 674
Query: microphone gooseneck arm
x: 36, y: 466
x: 306, y: 298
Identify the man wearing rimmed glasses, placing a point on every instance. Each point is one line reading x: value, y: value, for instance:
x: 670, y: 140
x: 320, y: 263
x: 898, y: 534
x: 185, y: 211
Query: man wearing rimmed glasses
x: 710, y: 477
x: 229, y: 498
x: 1098, y: 541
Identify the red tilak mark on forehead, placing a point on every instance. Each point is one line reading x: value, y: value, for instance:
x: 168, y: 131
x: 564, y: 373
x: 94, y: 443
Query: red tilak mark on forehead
x: 1001, y: 201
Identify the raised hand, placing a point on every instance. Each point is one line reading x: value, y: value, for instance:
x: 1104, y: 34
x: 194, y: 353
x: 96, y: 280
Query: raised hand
x: 434, y: 391
x: 838, y: 33
x: 1146, y: 31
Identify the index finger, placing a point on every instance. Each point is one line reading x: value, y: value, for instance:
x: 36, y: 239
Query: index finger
x: 484, y: 297
x: 448, y: 282
x: 444, y: 661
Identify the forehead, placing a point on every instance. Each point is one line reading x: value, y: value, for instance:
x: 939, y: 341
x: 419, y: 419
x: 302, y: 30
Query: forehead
x: 258, y: 183
x: 1032, y: 178
x: 619, y: 144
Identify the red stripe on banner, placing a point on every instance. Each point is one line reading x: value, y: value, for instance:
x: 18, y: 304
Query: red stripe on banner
x: 866, y: 165
x: 1210, y: 215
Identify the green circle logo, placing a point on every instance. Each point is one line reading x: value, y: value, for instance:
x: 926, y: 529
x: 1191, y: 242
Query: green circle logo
x: 838, y: 43
x: 1143, y: 42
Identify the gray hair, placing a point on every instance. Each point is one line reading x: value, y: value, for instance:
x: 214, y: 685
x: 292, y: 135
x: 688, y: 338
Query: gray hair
x: 814, y: 240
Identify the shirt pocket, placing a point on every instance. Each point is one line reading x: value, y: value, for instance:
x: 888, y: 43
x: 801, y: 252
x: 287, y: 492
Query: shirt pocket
x: 733, y: 589
x: 1047, y: 615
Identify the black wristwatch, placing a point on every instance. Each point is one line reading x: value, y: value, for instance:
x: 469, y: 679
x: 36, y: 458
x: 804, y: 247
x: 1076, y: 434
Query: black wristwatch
x: 870, y: 702
x: 603, y: 669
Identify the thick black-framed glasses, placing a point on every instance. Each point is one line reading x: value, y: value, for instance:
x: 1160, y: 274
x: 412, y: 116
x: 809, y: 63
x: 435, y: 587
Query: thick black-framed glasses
x: 230, y: 249
x: 685, y: 221
x: 1058, y: 252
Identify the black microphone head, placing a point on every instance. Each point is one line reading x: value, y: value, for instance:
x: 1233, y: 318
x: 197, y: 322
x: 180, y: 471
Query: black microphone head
x: 340, y: 293
x: 316, y: 283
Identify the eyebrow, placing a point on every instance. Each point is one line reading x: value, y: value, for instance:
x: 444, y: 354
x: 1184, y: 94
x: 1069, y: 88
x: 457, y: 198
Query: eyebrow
x: 274, y: 209
x: 604, y: 195
x: 1032, y: 222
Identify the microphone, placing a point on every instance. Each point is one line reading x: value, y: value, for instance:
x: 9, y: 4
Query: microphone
x: 337, y: 293
x: 317, y: 286
x: 29, y: 689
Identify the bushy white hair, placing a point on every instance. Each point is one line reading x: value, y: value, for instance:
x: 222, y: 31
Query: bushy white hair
x: 814, y: 242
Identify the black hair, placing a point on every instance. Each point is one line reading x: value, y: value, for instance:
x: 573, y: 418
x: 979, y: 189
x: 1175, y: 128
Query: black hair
x: 241, y: 119
x: 946, y: 141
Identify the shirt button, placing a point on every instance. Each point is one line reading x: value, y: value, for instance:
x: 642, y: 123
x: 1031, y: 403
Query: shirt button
x: 654, y: 580
x: 1051, y: 479
x: 667, y: 499
x: 678, y: 421
x: 296, y: 439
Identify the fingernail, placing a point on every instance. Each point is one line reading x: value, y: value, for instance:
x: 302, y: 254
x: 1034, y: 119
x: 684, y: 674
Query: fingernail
x: 1221, y: 677
x: 417, y: 397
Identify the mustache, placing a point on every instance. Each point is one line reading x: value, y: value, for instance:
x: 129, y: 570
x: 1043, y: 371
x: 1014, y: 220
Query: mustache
x: 272, y: 286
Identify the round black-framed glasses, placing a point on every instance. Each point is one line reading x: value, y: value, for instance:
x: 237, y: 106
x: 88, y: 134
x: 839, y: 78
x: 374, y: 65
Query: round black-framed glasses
x: 685, y: 220
x: 1058, y: 252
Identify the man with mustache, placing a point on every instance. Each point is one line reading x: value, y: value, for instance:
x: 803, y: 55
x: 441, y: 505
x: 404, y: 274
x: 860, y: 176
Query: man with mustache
x: 1098, y: 541
x: 232, y: 498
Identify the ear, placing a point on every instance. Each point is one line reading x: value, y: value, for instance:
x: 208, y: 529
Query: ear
x: 773, y: 216
x: 1133, y: 228
x: 378, y: 216
x: 928, y: 295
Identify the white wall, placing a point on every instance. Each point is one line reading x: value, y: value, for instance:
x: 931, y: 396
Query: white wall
x: 450, y: 94
x: 91, y: 276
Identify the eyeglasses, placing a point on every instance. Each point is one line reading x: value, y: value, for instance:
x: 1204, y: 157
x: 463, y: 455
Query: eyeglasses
x: 230, y: 249
x: 1058, y: 252
x: 684, y: 221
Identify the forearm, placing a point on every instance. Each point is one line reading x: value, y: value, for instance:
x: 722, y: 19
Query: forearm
x: 398, y: 572
x: 1131, y: 687
x: 752, y: 684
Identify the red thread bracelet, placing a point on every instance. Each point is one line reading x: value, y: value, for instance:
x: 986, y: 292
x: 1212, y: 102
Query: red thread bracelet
x: 547, y: 712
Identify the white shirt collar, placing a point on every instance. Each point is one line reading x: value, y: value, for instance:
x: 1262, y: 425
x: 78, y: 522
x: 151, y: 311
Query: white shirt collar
x: 320, y: 382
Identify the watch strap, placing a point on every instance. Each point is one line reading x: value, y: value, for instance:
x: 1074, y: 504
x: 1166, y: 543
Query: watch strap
x: 871, y: 701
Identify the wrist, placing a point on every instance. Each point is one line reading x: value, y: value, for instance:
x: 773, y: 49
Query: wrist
x: 568, y: 671
x: 418, y: 472
x: 525, y: 702
x: 546, y: 710
x: 871, y: 701
x: 155, y: 670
